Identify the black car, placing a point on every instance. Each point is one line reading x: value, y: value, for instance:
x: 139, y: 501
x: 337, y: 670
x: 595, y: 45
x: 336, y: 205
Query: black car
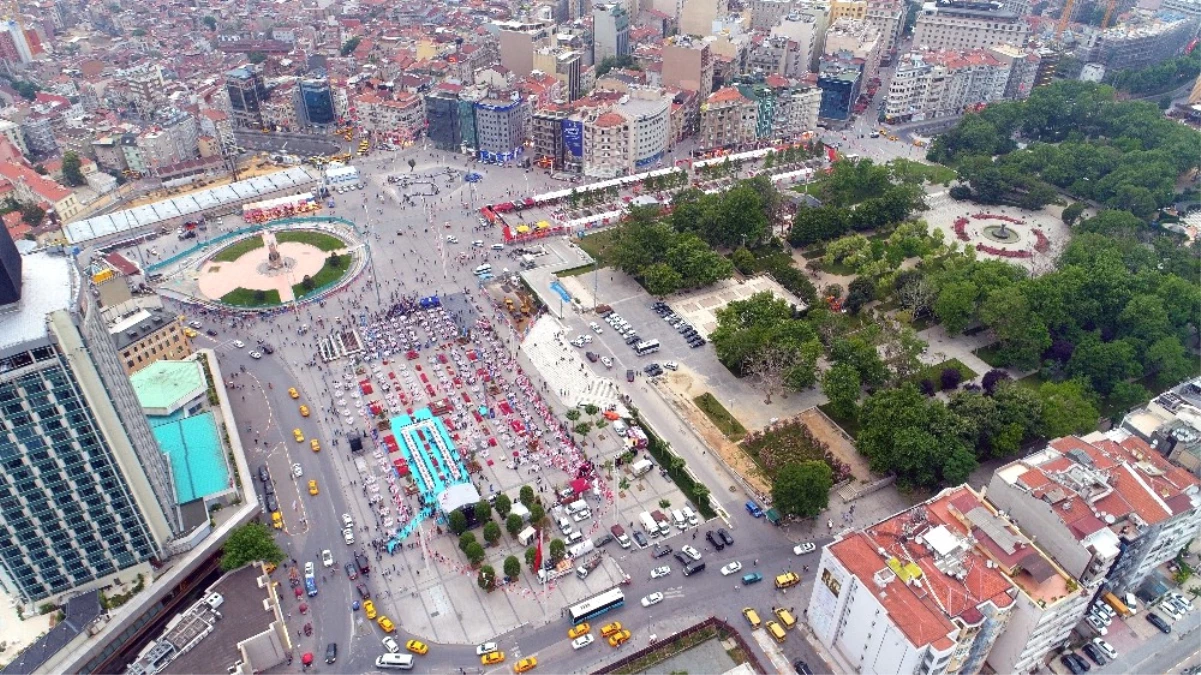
x: 1095, y: 654
x: 633, y: 340
x: 682, y: 557
x: 361, y: 560
x: 801, y: 667
x: 331, y: 652
x: 268, y: 349
x: 629, y: 375
x: 211, y: 332
x: 272, y: 503
x: 351, y: 571
x: 364, y: 592
x: 725, y: 536
x: 269, y: 488
x: 1070, y: 663
x: 1159, y: 623
x: 603, y: 540
x: 640, y: 539
x: 660, y: 550
x: 1080, y: 662
x: 264, y: 475
x: 714, y: 540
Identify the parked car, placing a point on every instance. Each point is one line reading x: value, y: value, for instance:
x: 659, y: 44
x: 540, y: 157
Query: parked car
x: 1159, y: 623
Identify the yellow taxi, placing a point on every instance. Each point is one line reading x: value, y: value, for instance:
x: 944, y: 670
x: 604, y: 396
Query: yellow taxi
x: 315, y: 445
x: 752, y: 617
x: 619, y: 638
x: 787, y: 579
x: 293, y: 393
x: 576, y: 631
x: 386, y: 624
x: 492, y: 657
x: 277, y: 520
x: 526, y: 664
x: 313, y: 487
x: 416, y: 646
x: 369, y: 610
x: 786, y: 618
x: 190, y: 332
x: 296, y: 433
x: 611, y: 629
x: 304, y: 411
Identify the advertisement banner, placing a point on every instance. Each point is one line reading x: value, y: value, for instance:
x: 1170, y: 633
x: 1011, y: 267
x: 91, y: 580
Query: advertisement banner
x: 573, y: 137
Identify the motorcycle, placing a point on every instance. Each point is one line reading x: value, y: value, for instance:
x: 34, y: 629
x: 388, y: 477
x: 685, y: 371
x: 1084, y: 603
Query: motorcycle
x: 308, y: 629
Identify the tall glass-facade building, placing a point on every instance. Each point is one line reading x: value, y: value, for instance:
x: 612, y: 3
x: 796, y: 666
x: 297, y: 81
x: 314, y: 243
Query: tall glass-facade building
x: 85, y: 491
x: 317, y: 101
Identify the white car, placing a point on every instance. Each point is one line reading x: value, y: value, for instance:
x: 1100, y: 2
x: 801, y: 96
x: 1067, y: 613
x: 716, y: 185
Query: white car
x: 348, y: 536
x: 1106, y: 647
x: 582, y: 641
x: 256, y: 355
x: 652, y: 599
x: 802, y: 549
x: 391, y: 645
x: 608, y: 362
x: 578, y: 342
x: 239, y: 344
x: 691, y: 552
x: 580, y: 516
x: 327, y: 558
x: 309, y: 569
x: 452, y: 239
x: 671, y: 365
x: 731, y: 568
x: 297, y: 470
x: 1096, y: 624
x: 660, y: 572
x: 347, y: 521
x: 486, y: 648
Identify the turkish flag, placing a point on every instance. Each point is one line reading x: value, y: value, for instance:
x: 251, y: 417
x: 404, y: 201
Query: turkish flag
x: 538, y: 554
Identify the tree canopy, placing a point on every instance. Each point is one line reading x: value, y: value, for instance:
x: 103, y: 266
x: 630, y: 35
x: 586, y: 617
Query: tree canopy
x: 802, y: 489
x: 249, y: 543
x: 72, y: 174
x: 350, y: 45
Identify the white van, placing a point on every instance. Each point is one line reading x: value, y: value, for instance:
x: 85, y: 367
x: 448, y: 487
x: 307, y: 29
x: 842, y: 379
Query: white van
x: 677, y: 518
x: 498, y: 247
x: 641, y: 466
x: 690, y: 516
x: 564, y: 525
x: 395, y: 661
x: 482, y: 269
x: 577, y: 505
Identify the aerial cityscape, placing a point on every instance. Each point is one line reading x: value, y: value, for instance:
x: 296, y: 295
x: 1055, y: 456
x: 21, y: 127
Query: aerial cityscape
x: 625, y: 336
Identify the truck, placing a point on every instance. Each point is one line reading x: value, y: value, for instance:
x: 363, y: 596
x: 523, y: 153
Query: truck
x: 649, y: 524
x: 1118, y: 606
x: 622, y: 538
x: 641, y: 467
x: 663, y: 521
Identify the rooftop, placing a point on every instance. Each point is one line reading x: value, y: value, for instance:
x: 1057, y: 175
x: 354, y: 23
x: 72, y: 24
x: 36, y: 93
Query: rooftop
x: 49, y: 283
x: 923, y: 569
x: 192, y: 444
x: 79, y: 613
x: 138, y: 325
x: 165, y: 384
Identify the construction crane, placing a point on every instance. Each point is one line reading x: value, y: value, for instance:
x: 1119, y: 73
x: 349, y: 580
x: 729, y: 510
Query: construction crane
x: 1064, y: 17
x: 1108, y: 13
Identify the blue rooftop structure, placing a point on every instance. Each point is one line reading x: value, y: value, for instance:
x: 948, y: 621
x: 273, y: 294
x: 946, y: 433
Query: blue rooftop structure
x: 197, y: 462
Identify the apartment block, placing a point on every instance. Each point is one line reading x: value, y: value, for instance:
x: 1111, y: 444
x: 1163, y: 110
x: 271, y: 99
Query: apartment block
x: 728, y: 120
x: 687, y: 64
x: 246, y: 97
x: 518, y: 40
x: 610, y: 31
x: 697, y: 16
x: 12, y: 132
x: 777, y: 55
x: 500, y: 129
x: 963, y: 25
x: 767, y: 13
x: 939, y: 84
x: 608, y: 143
x: 565, y: 65
x: 855, y: 39
x: 31, y: 187
x: 914, y: 593
x: 403, y: 114
x: 1106, y: 506
x: 840, y: 82
x: 1142, y: 39
x: 806, y: 27
x: 146, y: 336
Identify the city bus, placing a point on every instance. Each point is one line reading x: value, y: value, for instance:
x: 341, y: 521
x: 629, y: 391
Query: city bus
x: 648, y: 347
x: 596, y: 605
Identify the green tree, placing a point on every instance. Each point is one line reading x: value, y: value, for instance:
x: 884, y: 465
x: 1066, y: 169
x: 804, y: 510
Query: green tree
x: 513, y: 524
x: 32, y: 214
x: 1022, y: 333
x: 503, y: 505
x: 483, y: 510
x: 475, y: 554
x: 307, y: 283
x: 537, y: 513
x: 624, y: 61
x: 491, y: 532
x: 512, y: 567
x: 1067, y: 408
x: 526, y: 496
x: 531, y: 554
x: 956, y: 306
x: 860, y: 353
x: 486, y: 579
x: 1126, y: 395
x: 466, y: 539
x: 256, y: 57
x: 457, y: 522
x: 1103, y: 364
x: 1169, y: 361
x: 350, y: 45
x: 802, y: 489
x: 661, y: 279
x: 558, y: 550
x: 249, y: 543
x: 916, y: 438
x: 841, y: 385
x: 744, y: 260
x: 210, y: 22
x: 813, y: 225
x: 27, y: 90
x: 1072, y: 212
x: 412, y: 164
x: 860, y: 292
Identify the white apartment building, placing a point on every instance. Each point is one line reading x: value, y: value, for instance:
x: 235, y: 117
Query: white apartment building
x: 406, y: 113
x: 953, y: 25
x: 807, y: 28
x: 857, y: 39
x: 912, y: 593
x: 12, y: 132
x: 939, y: 84
x: 631, y: 136
x: 1106, y: 506
x: 607, y: 144
x: 796, y: 112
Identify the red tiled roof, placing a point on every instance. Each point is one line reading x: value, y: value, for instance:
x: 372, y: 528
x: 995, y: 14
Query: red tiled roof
x: 726, y: 95
x: 610, y: 119
x: 121, y: 264
x: 44, y: 187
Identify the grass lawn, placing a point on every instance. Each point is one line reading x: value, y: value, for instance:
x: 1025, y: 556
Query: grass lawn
x: 328, y: 274
x: 575, y: 271
x: 848, y: 424
x: 931, y: 173
x: 598, y: 244
x: 989, y: 355
x: 1033, y: 380
x: 238, y: 249
x: 719, y: 416
x: 244, y: 297
x: 934, y: 372
x: 323, y: 241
